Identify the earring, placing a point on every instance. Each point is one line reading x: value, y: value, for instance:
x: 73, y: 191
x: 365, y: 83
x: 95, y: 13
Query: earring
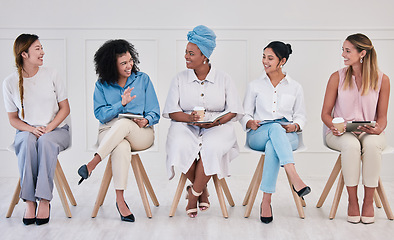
x: 361, y: 60
x: 281, y: 66
x: 205, y: 62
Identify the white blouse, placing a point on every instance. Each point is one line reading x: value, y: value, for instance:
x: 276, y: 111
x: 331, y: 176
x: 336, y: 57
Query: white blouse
x: 187, y: 92
x: 263, y: 101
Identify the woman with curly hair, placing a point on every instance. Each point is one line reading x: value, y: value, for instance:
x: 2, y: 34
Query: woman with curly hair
x: 116, y: 65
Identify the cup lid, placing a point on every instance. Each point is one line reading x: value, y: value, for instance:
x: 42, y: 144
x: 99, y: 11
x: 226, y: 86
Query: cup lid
x: 338, y: 120
x: 199, y: 108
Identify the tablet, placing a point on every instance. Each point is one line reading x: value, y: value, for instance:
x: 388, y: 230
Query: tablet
x: 130, y: 116
x: 351, y: 126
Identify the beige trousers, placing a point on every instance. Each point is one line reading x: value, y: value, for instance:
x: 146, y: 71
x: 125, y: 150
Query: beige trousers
x: 119, y: 137
x: 356, y: 149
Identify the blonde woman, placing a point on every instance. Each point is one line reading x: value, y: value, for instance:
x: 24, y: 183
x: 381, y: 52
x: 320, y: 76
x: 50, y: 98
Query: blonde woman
x: 358, y: 92
x: 36, y: 101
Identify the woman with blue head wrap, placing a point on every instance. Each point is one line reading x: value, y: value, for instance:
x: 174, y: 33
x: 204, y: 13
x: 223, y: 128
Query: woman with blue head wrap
x: 201, y: 150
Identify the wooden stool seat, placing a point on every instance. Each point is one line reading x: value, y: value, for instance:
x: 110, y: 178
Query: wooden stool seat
x: 61, y: 186
x: 142, y: 181
x: 220, y: 186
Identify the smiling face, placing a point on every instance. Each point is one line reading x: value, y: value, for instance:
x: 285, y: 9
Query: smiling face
x: 34, y: 55
x: 125, y: 65
x: 271, y: 61
x: 193, y: 56
x: 350, y: 54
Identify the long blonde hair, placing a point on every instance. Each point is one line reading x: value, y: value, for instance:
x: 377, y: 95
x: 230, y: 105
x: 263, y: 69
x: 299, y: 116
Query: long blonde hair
x: 22, y: 44
x: 370, y: 64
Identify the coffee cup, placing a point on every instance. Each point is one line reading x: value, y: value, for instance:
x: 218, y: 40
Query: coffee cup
x: 339, y: 123
x: 200, y: 112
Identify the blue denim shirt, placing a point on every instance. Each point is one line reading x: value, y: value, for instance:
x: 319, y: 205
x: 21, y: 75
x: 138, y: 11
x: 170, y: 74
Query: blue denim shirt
x: 108, y: 101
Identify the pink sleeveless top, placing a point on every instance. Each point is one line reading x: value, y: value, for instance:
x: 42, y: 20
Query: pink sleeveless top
x: 351, y: 105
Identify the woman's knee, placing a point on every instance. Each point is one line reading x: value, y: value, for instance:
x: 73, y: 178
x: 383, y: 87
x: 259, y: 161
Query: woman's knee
x: 276, y: 127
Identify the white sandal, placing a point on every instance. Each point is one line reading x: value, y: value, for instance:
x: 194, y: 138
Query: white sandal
x: 193, y: 211
x: 204, y: 205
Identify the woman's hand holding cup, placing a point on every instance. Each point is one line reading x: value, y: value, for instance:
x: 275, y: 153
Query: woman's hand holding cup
x: 338, y: 126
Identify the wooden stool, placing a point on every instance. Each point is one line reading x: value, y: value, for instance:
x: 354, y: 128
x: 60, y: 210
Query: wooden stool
x: 251, y: 194
x: 142, y: 181
x: 380, y: 197
x: 61, y: 186
x: 220, y: 186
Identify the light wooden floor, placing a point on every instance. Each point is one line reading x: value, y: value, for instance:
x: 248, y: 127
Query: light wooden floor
x: 208, y: 225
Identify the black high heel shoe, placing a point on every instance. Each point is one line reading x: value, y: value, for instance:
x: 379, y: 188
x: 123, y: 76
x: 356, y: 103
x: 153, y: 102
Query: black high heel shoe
x: 266, y: 220
x: 84, y: 173
x: 29, y: 221
x: 129, y: 218
x: 41, y: 221
x: 306, y: 190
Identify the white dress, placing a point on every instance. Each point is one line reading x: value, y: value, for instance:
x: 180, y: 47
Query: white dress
x: 217, y: 145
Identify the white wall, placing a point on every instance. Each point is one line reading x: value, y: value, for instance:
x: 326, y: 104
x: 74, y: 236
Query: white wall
x: 71, y: 31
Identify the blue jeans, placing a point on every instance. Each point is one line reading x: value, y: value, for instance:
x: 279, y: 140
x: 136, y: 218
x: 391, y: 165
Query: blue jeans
x: 278, y: 145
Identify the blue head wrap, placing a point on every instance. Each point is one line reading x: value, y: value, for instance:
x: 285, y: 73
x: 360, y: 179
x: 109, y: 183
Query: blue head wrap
x: 204, y: 38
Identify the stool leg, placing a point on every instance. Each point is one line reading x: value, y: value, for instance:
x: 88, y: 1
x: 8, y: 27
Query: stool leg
x: 15, y: 199
x: 385, y: 202
x: 376, y: 198
x: 140, y: 184
x: 60, y: 190
x: 337, y: 197
x: 103, y: 188
x: 254, y: 188
x: 219, y: 192
x: 147, y: 183
x: 66, y: 185
x: 226, y: 191
x: 252, y: 182
x: 330, y: 182
x: 297, y: 199
x: 178, y: 193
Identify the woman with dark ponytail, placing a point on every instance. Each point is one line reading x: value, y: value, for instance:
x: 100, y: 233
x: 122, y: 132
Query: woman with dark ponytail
x: 358, y: 92
x: 274, y: 113
x: 36, y: 101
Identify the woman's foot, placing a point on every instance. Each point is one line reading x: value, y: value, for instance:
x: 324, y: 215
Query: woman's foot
x: 30, y: 213
x: 353, y: 212
x: 43, y: 212
x: 126, y: 214
x: 192, y: 196
x: 266, y: 212
x: 367, y: 215
x: 85, y: 171
x: 203, y: 200
x: 123, y: 208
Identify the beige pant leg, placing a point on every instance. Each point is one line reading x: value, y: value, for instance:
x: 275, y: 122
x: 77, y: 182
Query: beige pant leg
x: 120, y: 158
x: 372, y: 147
x: 350, y: 148
x: 112, y: 133
x: 119, y: 137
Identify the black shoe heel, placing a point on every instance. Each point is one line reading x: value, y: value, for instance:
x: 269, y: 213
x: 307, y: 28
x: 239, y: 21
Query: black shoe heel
x: 129, y: 218
x: 41, y: 221
x: 84, y: 173
x: 266, y: 220
x: 306, y: 190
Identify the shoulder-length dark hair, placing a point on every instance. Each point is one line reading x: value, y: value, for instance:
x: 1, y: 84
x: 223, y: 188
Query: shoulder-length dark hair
x: 105, y: 59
